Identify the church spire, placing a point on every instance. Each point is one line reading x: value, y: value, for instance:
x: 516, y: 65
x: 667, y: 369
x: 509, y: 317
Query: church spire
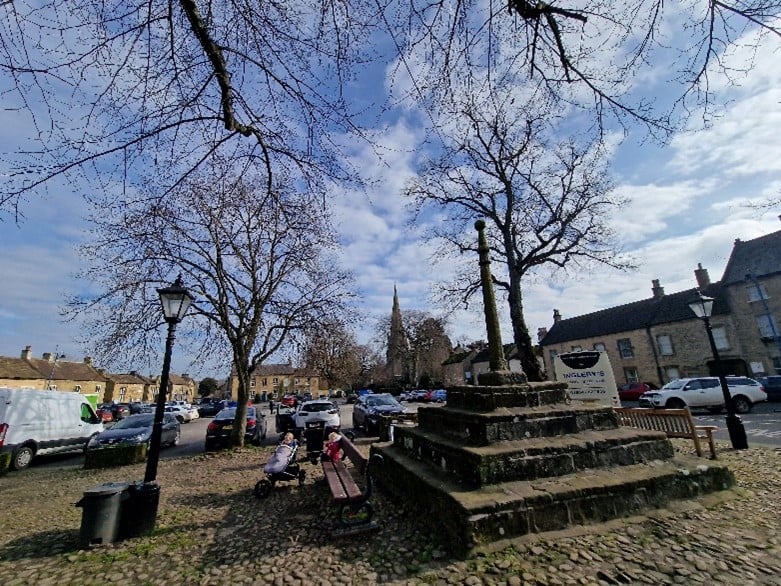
x: 396, y: 339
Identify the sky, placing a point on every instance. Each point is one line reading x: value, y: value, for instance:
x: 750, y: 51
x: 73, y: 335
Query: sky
x: 688, y: 202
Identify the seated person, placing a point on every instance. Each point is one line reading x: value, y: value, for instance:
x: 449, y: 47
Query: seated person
x: 332, y: 449
x: 282, y: 455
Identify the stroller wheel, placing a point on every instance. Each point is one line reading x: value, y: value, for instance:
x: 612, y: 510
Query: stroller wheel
x: 263, y: 489
x: 301, y: 477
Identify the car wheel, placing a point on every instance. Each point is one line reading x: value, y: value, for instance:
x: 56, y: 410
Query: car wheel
x: 180, y: 419
x: 263, y: 489
x: 741, y: 404
x: 23, y: 455
x: 675, y: 404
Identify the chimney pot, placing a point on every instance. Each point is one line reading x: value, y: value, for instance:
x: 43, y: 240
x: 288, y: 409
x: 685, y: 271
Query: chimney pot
x: 556, y: 316
x: 27, y: 353
x: 48, y: 356
x: 656, y: 289
x: 701, y: 274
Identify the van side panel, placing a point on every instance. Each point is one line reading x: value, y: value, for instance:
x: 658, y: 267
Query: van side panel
x: 50, y: 420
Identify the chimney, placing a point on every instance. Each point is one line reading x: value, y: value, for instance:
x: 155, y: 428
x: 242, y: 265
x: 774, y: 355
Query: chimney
x: 48, y: 356
x: 541, y: 333
x: 657, y: 289
x: 27, y: 353
x: 556, y: 316
x: 701, y: 274
x: 88, y: 360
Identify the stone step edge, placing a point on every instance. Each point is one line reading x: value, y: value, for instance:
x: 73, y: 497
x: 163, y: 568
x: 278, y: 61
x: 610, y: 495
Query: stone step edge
x: 495, y: 497
x: 535, y: 446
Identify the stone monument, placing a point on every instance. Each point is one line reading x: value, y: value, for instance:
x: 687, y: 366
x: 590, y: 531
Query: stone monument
x: 507, y: 457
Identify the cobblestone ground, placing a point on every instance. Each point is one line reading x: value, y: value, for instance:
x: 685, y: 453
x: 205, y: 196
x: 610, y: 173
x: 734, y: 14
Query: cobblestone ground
x: 211, y: 530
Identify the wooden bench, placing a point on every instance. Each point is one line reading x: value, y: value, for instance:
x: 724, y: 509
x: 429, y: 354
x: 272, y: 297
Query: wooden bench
x: 674, y: 422
x: 355, y: 510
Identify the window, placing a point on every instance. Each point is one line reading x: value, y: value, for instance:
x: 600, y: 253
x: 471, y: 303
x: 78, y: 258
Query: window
x: 767, y: 325
x: 599, y: 347
x: 577, y: 348
x: 275, y: 381
x: 720, y: 337
x: 52, y: 387
x: 672, y: 373
x: 631, y: 375
x: 264, y: 382
x: 77, y: 388
x: 777, y: 364
x: 756, y: 292
x: 252, y: 382
x: 97, y: 388
x: 665, y: 345
x: 122, y: 393
x: 625, y: 349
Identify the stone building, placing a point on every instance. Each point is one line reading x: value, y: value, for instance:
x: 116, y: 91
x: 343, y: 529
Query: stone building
x: 659, y: 339
x: 276, y: 380
x: 129, y: 388
x: 457, y: 369
x: 52, y: 372
x: 180, y: 388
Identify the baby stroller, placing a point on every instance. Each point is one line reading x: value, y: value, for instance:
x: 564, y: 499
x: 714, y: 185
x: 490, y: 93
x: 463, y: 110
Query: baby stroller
x: 282, y: 467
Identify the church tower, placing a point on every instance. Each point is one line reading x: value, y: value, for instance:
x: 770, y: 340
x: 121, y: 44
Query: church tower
x: 397, y: 343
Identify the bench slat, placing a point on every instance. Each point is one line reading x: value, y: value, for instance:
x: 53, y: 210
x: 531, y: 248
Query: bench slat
x: 676, y: 423
x: 341, y: 483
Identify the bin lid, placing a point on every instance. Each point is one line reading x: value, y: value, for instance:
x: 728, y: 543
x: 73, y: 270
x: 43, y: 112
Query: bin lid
x: 107, y: 488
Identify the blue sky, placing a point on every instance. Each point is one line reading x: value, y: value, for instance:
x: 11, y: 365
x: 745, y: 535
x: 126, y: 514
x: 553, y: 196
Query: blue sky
x: 688, y: 204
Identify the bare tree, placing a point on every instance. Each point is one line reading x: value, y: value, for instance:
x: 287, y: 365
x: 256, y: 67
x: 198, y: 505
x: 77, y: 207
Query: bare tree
x: 545, y: 203
x: 109, y: 89
x: 583, y: 54
x: 257, y: 261
x: 332, y: 351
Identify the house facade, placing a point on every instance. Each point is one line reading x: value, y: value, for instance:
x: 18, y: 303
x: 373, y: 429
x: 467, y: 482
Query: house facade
x: 276, y: 380
x: 52, y: 372
x: 128, y: 388
x: 659, y: 339
x: 180, y: 388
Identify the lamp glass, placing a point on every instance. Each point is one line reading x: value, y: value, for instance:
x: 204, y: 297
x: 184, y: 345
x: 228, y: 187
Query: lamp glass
x: 176, y: 300
x: 702, y: 307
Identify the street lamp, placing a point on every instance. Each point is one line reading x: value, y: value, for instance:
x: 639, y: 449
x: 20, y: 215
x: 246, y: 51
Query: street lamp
x: 703, y: 308
x: 176, y: 301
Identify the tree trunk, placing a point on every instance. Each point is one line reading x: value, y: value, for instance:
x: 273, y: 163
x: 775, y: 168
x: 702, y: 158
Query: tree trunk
x: 521, y: 338
x: 242, y: 398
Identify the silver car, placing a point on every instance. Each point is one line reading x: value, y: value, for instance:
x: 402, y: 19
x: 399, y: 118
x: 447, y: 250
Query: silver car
x: 705, y: 391
x: 316, y: 411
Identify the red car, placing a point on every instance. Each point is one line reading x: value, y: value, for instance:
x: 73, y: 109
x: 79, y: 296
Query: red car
x: 105, y: 414
x: 632, y: 391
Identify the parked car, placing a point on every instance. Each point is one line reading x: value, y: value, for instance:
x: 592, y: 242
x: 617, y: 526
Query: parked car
x: 105, y: 413
x: 137, y: 407
x: 193, y: 412
x: 289, y: 400
x: 351, y: 398
x: 284, y: 418
x: 369, y: 408
x: 135, y: 430
x: 706, y: 392
x: 316, y: 411
x: 632, y: 391
x: 218, y: 432
x: 439, y: 396
x: 772, y: 386
x: 120, y: 410
x: 182, y: 414
x: 211, y: 408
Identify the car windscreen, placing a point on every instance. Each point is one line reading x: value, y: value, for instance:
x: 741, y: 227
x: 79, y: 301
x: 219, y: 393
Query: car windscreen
x: 229, y: 413
x: 134, y: 422
x: 379, y: 400
x: 317, y: 407
x: 675, y: 384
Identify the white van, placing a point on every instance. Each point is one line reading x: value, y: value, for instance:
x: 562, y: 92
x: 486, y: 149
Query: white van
x: 36, y: 422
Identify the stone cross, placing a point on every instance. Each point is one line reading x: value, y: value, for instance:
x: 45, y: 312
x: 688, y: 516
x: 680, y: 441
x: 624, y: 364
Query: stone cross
x: 495, y: 349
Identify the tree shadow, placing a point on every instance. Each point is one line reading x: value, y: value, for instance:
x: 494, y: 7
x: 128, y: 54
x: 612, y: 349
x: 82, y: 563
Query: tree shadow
x: 40, y: 545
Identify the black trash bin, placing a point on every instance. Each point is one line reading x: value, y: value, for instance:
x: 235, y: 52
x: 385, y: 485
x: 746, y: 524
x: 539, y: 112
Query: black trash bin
x: 139, y: 514
x: 101, y: 508
x: 315, y: 436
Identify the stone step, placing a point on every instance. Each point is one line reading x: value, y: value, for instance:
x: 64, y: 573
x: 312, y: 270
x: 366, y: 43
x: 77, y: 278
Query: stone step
x: 473, y: 517
x: 488, y: 398
x: 533, y: 458
x: 476, y: 428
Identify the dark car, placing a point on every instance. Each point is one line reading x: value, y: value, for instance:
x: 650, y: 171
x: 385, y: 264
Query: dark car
x: 105, y: 413
x: 218, y: 432
x: 211, y: 408
x: 772, y: 386
x: 632, y: 391
x: 120, y: 410
x: 284, y: 418
x: 135, y: 430
x: 369, y: 408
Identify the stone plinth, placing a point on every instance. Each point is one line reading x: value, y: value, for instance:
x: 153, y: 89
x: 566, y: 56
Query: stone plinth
x: 503, y: 461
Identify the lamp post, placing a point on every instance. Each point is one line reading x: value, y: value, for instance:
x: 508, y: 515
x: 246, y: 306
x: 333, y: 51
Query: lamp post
x: 703, y: 308
x: 176, y: 300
